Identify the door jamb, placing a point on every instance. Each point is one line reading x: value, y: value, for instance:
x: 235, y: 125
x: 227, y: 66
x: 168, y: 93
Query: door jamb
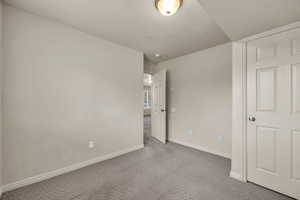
x: 239, y: 101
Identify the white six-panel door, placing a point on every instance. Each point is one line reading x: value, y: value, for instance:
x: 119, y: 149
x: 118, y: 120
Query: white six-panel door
x: 273, y: 98
x: 158, y: 111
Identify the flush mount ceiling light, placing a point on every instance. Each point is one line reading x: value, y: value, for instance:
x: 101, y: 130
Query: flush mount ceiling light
x: 168, y: 7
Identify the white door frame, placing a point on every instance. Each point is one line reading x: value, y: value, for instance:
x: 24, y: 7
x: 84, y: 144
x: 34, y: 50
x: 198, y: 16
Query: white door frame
x: 239, y: 101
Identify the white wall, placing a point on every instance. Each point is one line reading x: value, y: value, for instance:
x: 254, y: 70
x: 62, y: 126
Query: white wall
x: 1, y: 61
x: 63, y: 88
x: 149, y: 67
x: 199, y: 88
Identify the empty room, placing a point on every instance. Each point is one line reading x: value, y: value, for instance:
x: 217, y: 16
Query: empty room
x: 149, y: 100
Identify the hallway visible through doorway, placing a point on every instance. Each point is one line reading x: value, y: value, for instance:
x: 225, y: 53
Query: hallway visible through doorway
x: 147, y: 106
x: 147, y: 128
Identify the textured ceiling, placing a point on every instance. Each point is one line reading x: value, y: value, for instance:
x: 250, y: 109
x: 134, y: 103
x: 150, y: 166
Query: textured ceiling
x: 198, y: 25
x: 241, y: 18
x: 135, y: 23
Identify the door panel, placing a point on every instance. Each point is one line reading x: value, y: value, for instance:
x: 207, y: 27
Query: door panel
x: 296, y: 155
x: 265, y: 52
x: 158, y: 111
x: 295, y: 74
x: 296, y: 46
x: 266, y: 89
x: 266, y: 149
x: 273, y: 106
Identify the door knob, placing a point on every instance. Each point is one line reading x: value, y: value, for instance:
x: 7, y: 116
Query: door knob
x: 162, y: 110
x: 252, y: 119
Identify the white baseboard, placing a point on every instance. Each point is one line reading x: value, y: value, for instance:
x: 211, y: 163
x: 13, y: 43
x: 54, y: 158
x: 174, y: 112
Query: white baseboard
x: 48, y: 175
x: 200, y: 148
x: 236, y: 176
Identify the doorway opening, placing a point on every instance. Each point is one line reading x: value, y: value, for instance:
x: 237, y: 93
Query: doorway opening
x: 147, y: 106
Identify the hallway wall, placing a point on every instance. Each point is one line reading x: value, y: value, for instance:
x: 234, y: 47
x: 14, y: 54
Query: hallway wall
x: 199, y: 99
x: 149, y: 67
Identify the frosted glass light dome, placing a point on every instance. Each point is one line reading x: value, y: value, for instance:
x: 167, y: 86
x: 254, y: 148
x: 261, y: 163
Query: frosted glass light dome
x: 168, y: 7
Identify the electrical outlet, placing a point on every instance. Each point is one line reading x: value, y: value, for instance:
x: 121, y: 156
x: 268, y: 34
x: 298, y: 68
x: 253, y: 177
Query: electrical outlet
x: 221, y: 139
x: 190, y: 132
x: 91, y: 144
